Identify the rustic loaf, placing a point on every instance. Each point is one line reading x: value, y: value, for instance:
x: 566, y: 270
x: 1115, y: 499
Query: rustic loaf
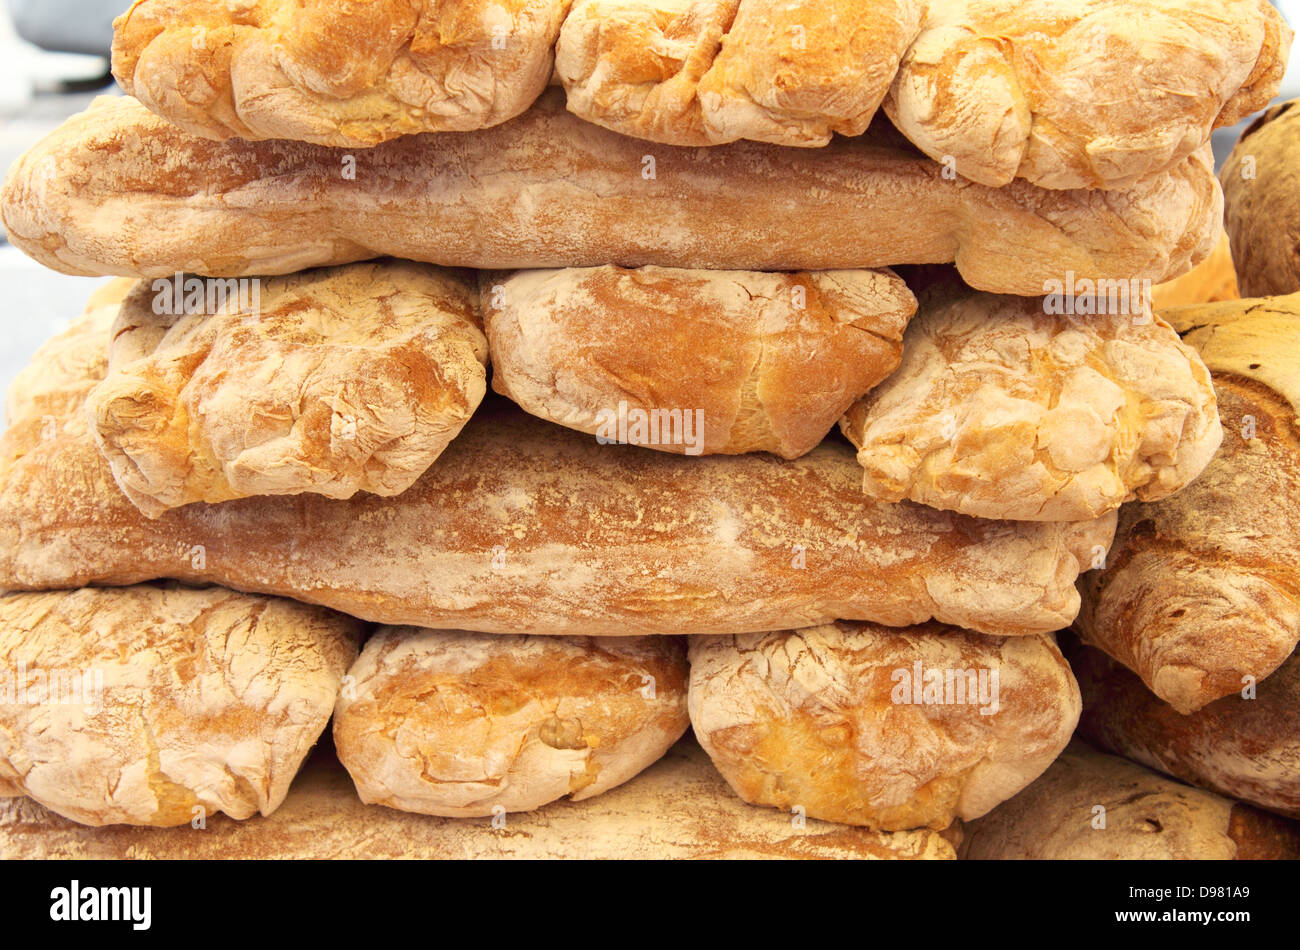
x: 333, y: 381
x: 524, y: 527
x: 352, y: 74
x: 162, y: 706
x: 444, y: 722
x: 1203, y: 589
x: 116, y: 190
x: 1212, y: 280
x: 1004, y: 407
x: 886, y: 728
x: 1091, y: 806
x: 721, y: 362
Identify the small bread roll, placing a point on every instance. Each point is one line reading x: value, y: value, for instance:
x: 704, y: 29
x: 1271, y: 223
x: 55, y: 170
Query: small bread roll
x: 467, y: 725
x: 887, y: 728
x: 161, y: 706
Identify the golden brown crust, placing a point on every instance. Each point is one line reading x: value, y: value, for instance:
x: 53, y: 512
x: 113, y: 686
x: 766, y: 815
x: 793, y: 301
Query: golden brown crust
x: 118, y: 190
x: 444, y: 722
x: 523, y: 527
x: 886, y: 728
x: 1212, y: 280
x: 748, y: 361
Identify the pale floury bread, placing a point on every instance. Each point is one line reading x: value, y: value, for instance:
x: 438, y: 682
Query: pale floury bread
x: 468, y: 724
x: 720, y: 362
x: 1202, y: 590
x: 163, y: 705
x: 352, y: 74
x: 1086, y: 94
x: 887, y: 728
x: 1002, y: 409
x: 118, y: 191
x: 334, y: 381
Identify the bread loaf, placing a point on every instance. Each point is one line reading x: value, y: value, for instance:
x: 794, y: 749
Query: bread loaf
x: 1007, y: 407
x: 333, y: 382
x: 163, y: 705
x: 458, y: 724
x: 1203, y: 589
x: 1090, y: 806
x: 1211, y: 280
x: 336, y: 74
x: 885, y: 728
x: 116, y: 190
x: 678, y: 808
x: 721, y: 362
x: 523, y: 527
x: 1261, y: 210
x: 1243, y: 748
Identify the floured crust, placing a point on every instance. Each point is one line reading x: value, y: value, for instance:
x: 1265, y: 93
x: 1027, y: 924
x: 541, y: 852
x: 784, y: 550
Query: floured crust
x: 1212, y: 280
x: 1096, y: 94
x: 1001, y: 410
x: 468, y: 725
x: 1247, y: 749
x: 333, y: 382
x: 524, y: 527
x: 190, y: 702
x: 336, y: 74
x: 678, y: 808
x: 761, y: 362
x: 116, y: 190
x: 815, y: 719
x: 1203, y: 589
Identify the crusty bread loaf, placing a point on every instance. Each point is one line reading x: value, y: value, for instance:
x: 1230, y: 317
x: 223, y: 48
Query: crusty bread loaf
x: 163, y: 705
x: 333, y: 381
x: 444, y: 722
x: 116, y: 190
x: 1211, y: 280
x: 678, y: 808
x: 1090, y: 806
x: 1243, y: 748
x: 874, y: 726
x: 722, y: 362
x: 1004, y: 407
x: 347, y: 74
x: 525, y: 527
x: 1261, y: 187
x: 1203, y: 589
x: 1096, y: 94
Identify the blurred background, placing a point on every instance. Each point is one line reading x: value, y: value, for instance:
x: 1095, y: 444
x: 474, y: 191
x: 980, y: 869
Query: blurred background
x: 54, y: 61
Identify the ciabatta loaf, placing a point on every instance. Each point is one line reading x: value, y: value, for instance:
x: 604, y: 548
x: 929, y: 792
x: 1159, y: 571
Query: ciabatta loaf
x: 874, y: 726
x: 1009, y: 407
x: 1262, y: 203
x: 163, y: 705
x: 457, y: 724
x: 721, y: 362
x: 334, y: 381
x: 525, y: 527
x: 1202, y: 590
x: 116, y: 190
x: 346, y: 74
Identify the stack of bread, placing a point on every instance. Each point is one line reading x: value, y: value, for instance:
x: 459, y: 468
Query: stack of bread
x: 737, y: 477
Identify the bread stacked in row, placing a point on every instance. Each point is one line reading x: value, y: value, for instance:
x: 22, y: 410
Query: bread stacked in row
x: 737, y: 475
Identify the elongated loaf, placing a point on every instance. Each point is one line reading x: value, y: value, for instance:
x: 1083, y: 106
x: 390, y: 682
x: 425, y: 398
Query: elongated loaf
x: 1004, y: 407
x: 352, y: 74
x: 722, y: 362
x: 1203, y: 589
x: 444, y: 722
x: 163, y: 705
x: 1095, y: 94
x: 524, y: 527
x: 116, y: 190
x: 334, y: 381
x: 678, y: 808
x: 1244, y: 748
x: 1091, y: 806
x: 880, y: 727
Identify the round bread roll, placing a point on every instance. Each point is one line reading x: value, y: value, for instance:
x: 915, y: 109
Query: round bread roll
x: 161, y: 706
x: 468, y: 725
x: 889, y: 728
